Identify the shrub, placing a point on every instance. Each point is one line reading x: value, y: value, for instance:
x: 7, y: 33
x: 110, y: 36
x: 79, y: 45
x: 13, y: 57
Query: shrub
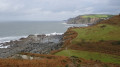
x: 105, y: 65
x: 67, y: 65
x: 116, y: 43
x: 74, y: 57
x: 103, y: 26
x: 101, y: 40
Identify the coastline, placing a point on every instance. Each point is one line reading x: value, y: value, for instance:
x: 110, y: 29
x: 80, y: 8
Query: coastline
x: 41, y: 44
x: 37, y: 43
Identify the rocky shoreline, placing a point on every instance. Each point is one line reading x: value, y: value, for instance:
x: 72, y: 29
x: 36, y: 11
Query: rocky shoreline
x: 41, y: 44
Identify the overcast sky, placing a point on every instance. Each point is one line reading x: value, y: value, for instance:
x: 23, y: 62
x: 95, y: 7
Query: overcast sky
x: 45, y: 10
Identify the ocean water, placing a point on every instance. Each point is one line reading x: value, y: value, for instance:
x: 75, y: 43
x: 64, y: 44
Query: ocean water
x: 14, y: 30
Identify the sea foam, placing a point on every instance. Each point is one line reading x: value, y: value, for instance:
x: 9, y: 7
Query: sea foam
x: 8, y: 39
x: 1, y: 46
x: 54, y: 34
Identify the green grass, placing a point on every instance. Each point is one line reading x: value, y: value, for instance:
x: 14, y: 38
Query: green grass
x: 97, y: 33
x: 97, y: 16
x: 91, y: 55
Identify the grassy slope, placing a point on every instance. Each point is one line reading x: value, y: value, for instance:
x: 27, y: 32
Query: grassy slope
x: 91, y: 55
x: 96, y: 33
x: 97, y: 16
x: 106, y: 31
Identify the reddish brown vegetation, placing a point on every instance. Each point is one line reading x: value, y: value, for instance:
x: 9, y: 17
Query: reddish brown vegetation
x: 33, y: 63
x: 55, y: 51
x: 103, y: 47
x: 46, y: 61
x: 68, y: 36
x: 45, y: 56
x: 53, y: 61
x: 115, y: 20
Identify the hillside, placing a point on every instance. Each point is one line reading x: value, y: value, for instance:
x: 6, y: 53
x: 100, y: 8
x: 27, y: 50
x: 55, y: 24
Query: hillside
x: 98, y: 42
x: 88, y: 19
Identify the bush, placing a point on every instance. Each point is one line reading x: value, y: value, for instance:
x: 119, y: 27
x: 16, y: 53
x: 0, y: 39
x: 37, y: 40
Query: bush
x: 74, y: 57
x: 105, y: 65
x: 103, y: 26
x: 67, y: 65
x: 102, y: 40
x: 116, y: 43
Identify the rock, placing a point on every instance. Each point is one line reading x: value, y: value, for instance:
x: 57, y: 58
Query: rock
x: 25, y: 57
x: 32, y: 44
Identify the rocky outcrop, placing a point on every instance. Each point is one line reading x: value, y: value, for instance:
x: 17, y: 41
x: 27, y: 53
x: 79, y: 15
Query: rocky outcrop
x: 86, y: 20
x: 41, y: 44
x: 20, y: 56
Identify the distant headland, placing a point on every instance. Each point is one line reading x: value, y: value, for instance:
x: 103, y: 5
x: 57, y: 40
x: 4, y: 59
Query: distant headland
x: 88, y: 19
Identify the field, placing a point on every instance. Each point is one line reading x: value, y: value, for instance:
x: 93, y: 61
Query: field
x: 101, y: 32
x: 91, y: 56
x: 97, y: 16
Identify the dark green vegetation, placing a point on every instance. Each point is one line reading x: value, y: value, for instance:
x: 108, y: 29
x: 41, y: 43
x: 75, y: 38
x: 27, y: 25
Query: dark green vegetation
x: 98, y: 42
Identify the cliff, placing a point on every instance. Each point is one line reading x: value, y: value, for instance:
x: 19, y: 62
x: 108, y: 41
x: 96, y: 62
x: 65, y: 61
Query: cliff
x: 88, y: 19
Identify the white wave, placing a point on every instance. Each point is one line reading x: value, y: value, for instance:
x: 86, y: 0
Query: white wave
x: 84, y: 24
x: 13, y: 38
x: 68, y: 26
x: 64, y: 23
x: 4, y: 46
x: 7, y: 39
x: 54, y: 34
x: 76, y: 25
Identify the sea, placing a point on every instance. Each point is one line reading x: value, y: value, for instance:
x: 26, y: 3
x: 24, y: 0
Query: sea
x: 13, y: 30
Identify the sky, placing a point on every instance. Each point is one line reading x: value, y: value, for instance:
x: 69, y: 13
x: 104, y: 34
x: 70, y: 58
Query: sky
x: 54, y: 10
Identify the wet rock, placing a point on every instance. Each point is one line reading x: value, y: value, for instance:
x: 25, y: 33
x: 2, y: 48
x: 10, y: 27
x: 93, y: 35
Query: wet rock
x: 32, y: 44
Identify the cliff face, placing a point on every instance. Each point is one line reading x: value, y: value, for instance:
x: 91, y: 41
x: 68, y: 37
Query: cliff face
x: 88, y: 19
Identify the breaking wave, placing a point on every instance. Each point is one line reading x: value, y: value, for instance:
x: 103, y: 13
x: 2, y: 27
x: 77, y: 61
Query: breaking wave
x: 8, y: 39
x: 54, y: 34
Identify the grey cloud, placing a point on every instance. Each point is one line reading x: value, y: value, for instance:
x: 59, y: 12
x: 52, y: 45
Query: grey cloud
x: 54, y: 9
